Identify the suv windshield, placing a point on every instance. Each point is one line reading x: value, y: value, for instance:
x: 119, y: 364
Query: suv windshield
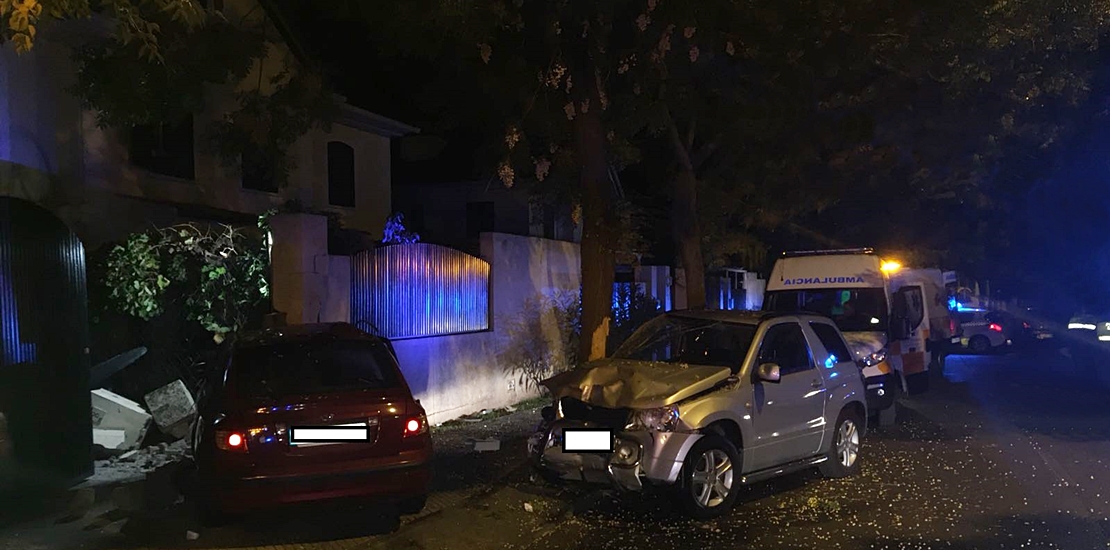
x: 317, y: 366
x: 673, y: 339
x: 852, y: 309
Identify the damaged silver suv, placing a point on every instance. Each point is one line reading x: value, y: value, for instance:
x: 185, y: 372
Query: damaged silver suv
x: 705, y: 402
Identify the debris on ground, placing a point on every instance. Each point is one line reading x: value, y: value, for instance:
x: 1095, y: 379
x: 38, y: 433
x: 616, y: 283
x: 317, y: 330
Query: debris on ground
x: 192, y: 535
x: 528, y: 507
x: 173, y: 408
x: 111, y: 413
x: 138, y: 463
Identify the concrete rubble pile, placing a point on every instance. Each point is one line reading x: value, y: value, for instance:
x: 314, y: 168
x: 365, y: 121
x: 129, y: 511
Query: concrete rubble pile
x: 121, y: 427
x: 120, y: 424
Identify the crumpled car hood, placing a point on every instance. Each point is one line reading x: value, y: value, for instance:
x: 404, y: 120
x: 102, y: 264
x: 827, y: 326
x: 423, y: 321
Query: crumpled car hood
x: 865, y: 343
x: 618, y: 383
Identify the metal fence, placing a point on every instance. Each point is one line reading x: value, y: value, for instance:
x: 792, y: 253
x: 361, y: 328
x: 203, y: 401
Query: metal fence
x: 419, y: 289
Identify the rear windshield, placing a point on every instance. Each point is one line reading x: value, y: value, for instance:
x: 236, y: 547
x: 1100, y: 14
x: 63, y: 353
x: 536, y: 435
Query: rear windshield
x: 320, y: 366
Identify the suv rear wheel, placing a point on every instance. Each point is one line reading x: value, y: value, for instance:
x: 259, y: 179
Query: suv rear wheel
x: 710, y: 477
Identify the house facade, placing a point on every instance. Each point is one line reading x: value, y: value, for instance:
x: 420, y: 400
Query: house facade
x: 456, y: 213
x: 107, y: 182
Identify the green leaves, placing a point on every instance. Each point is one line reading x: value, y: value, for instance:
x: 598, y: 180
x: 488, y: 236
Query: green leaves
x: 220, y: 273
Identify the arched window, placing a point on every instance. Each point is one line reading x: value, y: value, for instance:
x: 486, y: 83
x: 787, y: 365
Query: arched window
x: 341, y: 174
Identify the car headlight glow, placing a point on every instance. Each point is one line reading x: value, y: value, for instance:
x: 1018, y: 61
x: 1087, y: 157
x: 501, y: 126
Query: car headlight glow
x: 874, y: 358
x: 664, y: 419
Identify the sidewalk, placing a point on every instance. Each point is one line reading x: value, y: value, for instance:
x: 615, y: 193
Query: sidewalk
x: 148, y: 511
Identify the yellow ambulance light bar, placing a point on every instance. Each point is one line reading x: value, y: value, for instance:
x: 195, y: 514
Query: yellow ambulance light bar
x: 890, y: 266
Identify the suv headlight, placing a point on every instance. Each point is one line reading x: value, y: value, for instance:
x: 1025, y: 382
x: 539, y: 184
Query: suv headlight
x: 664, y: 419
x: 873, y: 359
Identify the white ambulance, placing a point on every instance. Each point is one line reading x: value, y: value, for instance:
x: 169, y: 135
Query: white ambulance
x: 882, y: 317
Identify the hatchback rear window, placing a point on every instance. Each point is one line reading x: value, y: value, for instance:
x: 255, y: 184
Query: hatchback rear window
x: 324, y: 366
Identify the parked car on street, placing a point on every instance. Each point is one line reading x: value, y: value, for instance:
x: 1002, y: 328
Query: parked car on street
x: 984, y: 331
x: 308, y: 413
x: 1087, y: 342
x: 704, y: 402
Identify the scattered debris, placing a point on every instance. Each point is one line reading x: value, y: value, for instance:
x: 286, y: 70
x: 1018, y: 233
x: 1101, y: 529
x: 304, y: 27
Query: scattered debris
x: 129, y: 455
x: 491, y: 444
x: 173, y: 408
x: 528, y: 507
x: 192, y: 535
x: 111, y: 411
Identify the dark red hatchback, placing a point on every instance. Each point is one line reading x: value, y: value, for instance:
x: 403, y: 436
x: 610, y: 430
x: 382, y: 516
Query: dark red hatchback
x: 307, y: 413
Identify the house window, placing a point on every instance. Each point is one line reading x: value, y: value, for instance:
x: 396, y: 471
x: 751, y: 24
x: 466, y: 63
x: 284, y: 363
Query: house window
x: 341, y: 174
x: 479, y: 218
x: 165, y: 149
x: 259, y: 172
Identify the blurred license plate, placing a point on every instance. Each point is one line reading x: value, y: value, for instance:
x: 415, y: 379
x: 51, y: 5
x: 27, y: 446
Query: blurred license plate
x: 327, y: 435
x: 587, y: 441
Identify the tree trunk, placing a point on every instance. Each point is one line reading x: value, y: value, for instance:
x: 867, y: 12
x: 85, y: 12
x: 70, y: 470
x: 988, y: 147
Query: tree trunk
x: 598, y: 235
x: 686, y: 231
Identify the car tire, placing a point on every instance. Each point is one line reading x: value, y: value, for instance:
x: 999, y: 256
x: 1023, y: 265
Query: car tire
x: 843, y: 459
x: 979, y: 344
x: 413, y: 505
x: 713, y: 464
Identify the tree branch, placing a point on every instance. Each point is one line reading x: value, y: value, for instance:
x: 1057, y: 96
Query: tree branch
x: 682, y: 154
x: 705, y: 152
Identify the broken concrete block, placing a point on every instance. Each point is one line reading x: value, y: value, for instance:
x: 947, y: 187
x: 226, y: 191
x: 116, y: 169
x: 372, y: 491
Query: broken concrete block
x: 173, y: 408
x: 111, y: 411
x: 109, y: 439
x: 483, y: 445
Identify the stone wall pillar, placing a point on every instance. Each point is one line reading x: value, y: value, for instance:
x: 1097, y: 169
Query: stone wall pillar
x: 308, y: 285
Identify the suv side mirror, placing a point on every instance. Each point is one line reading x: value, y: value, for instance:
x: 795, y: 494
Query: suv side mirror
x: 769, y: 372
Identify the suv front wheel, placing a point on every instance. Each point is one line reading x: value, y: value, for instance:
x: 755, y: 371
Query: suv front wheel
x: 843, y: 457
x: 710, y: 477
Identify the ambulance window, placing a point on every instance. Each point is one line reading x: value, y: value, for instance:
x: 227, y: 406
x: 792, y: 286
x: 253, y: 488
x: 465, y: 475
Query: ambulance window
x: 833, y: 343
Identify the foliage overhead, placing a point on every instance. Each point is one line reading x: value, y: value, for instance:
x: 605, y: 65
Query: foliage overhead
x: 20, y: 20
x: 825, y: 121
x: 221, y: 275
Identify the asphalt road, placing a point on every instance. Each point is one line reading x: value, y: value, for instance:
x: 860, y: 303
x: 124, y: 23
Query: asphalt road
x: 1004, y: 451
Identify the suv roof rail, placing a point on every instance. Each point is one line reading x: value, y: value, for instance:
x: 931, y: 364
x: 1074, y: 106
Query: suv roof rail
x: 796, y: 253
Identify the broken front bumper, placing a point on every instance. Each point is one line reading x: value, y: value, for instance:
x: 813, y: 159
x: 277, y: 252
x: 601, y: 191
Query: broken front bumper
x: 638, y: 456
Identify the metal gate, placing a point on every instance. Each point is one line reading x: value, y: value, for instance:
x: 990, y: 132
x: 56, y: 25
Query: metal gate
x: 44, y: 358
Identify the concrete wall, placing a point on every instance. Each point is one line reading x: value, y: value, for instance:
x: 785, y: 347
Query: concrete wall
x: 451, y: 375
x: 465, y: 373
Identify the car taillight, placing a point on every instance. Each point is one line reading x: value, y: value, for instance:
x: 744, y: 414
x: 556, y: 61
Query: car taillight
x: 996, y: 327
x: 416, y: 425
x: 231, y: 441
x: 952, y: 326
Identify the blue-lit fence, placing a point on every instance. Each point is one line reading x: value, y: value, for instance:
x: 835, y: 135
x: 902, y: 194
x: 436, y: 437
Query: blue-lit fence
x: 419, y: 289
